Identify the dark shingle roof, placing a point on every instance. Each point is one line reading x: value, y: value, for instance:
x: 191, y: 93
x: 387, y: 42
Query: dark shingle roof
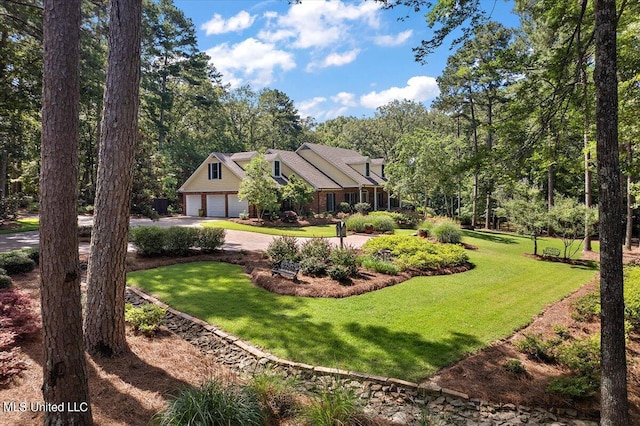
x: 304, y: 169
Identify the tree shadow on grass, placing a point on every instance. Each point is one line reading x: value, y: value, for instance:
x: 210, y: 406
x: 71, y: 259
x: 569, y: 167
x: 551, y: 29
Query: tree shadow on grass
x: 491, y: 236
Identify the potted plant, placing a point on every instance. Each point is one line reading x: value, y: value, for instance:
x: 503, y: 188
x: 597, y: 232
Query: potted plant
x: 368, y: 228
x: 423, y: 233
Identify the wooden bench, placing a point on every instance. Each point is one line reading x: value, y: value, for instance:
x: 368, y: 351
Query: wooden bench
x: 286, y: 268
x: 551, y: 251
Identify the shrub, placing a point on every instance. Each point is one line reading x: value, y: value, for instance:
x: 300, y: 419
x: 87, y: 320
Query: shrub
x: 346, y: 257
x: 447, y: 232
x: 573, y: 386
x: 338, y: 272
x: 319, y: 248
x: 283, y: 248
x: 586, y: 307
x: 243, y: 215
x: 333, y: 407
x: 11, y: 365
x: 32, y: 253
x: 276, y: 395
x: 581, y: 356
x: 178, y: 240
x: 210, y: 239
x: 356, y: 223
x: 313, y: 266
x: 214, y: 404
x: 379, y: 265
x: 17, y: 316
x: 344, y: 207
x: 632, y: 294
x: 534, y: 346
x: 16, y: 262
x: 362, y: 208
x: 148, y: 240
x: 381, y: 223
x: 516, y: 367
x: 145, y: 319
x: 5, y: 280
x: 403, y: 220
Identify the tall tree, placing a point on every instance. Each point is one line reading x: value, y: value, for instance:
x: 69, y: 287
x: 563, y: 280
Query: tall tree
x: 106, y: 279
x: 614, y: 405
x: 281, y: 126
x: 65, y: 371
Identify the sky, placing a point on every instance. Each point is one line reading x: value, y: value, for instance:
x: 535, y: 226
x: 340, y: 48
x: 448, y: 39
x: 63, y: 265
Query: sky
x: 331, y: 57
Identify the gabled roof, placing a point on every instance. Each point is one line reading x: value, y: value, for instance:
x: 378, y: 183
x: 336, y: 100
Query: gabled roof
x: 341, y: 158
x: 304, y: 169
x: 222, y: 158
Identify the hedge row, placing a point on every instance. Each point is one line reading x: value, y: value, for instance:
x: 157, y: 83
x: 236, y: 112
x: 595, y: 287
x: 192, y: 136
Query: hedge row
x: 380, y: 223
x: 175, y: 240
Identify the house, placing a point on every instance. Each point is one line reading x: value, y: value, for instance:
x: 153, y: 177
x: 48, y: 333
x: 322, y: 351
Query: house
x: 337, y: 175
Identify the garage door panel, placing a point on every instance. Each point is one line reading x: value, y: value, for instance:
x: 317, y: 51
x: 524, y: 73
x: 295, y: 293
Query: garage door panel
x: 194, y: 204
x: 216, y: 206
x: 236, y: 206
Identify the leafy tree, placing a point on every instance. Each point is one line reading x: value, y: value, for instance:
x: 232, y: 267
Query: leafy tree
x: 298, y: 192
x: 527, y: 210
x: 64, y: 365
x: 281, y: 126
x: 106, y: 277
x: 258, y: 188
x: 569, y: 219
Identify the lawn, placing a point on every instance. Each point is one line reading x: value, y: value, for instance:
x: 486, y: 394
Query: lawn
x: 24, y: 225
x: 407, y: 331
x: 304, y: 231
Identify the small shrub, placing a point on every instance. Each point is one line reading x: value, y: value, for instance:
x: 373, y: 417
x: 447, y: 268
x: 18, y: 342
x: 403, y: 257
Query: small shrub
x: 5, y: 280
x: 145, y: 319
x: 16, y: 262
x: 362, y: 208
x: 283, y: 248
x: 32, y: 253
x: 210, y: 239
x: 148, y: 240
x: 243, y: 215
x: 356, y: 223
x: 276, y: 395
x: 17, y: 316
x: 338, y: 272
x: 344, y: 207
x: 379, y: 265
x: 516, y: 367
x: 333, y: 407
x: 11, y: 365
x: 213, y: 404
x: 346, y: 257
x: 561, y: 331
x: 313, y: 266
x: 178, y: 240
x: 319, y: 248
x: 581, y: 356
x: 573, y: 387
x: 586, y: 307
x: 381, y: 223
x: 447, y: 232
x: 402, y: 220
x: 535, y: 347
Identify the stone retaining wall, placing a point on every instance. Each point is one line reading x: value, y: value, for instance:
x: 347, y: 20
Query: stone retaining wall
x: 398, y: 400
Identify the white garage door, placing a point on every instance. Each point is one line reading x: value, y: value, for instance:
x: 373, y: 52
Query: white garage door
x: 236, y: 206
x: 194, y: 203
x: 215, y: 206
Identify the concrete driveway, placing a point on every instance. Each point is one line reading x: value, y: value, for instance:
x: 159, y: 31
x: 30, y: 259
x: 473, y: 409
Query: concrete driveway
x: 235, y: 240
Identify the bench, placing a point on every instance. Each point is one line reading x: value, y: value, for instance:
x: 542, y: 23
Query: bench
x: 551, y: 251
x: 286, y: 268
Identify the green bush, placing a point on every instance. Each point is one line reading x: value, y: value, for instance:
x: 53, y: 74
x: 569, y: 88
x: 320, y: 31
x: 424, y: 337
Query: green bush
x: 534, y: 346
x: 5, y: 280
x: 148, y: 240
x: 210, y: 239
x: 516, y: 367
x: 178, y: 240
x: 276, y: 395
x: 381, y: 223
x: 403, y: 220
x: 334, y: 407
x: 16, y: 262
x: 586, y: 307
x: 581, y: 356
x: 145, y: 319
x: 362, y: 208
x: 214, y: 404
x: 632, y: 294
x: 447, y: 232
x: 338, y: 272
x: 318, y: 248
x: 344, y: 207
x: 313, y: 266
x: 283, y: 248
x: 381, y: 266
x: 573, y: 386
x: 346, y: 257
x: 32, y: 253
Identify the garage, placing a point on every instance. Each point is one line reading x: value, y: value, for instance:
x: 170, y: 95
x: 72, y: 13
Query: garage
x: 194, y: 203
x: 216, y: 205
x: 236, y: 206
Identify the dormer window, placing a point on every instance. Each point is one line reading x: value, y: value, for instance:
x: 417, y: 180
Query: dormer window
x: 215, y: 171
x: 276, y: 168
x: 366, y: 170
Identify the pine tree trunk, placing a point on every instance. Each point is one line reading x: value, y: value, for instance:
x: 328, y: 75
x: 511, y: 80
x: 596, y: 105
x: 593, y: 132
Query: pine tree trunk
x: 65, y: 371
x: 104, y: 321
x: 614, y: 405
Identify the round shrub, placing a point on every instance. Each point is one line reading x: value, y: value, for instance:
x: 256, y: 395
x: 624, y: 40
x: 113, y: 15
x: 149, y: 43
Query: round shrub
x: 313, y: 266
x: 283, y: 248
x: 32, y: 253
x: 178, y: 240
x: 214, y: 404
x: 379, y: 265
x: 362, y: 208
x: 16, y: 262
x: 319, y: 248
x: 148, y: 240
x: 145, y: 319
x: 346, y: 257
x: 383, y: 224
x: 5, y: 280
x: 447, y: 232
x: 210, y: 239
x: 338, y: 272
x: 344, y: 207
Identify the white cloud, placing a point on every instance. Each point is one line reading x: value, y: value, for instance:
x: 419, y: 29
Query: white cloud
x: 419, y: 88
x: 319, y: 24
x: 335, y: 60
x: 345, y: 98
x: 391, y: 41
x: 218, y: 25
x: 250, y: 60
x: 310, y: 107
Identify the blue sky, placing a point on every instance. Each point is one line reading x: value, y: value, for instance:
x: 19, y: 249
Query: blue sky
x: 332, y: 57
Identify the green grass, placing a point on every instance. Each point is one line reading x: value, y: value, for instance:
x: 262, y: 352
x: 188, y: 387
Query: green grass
x: 407, y: 331
x: 30, y: 224
x: 304, y: 231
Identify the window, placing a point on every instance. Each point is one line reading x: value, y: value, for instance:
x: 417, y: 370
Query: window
x: 215, y: 171
x: 350, y: 197
x: 367, y: 170
x: 382, y: 170
x: 276, y: 168
x: 331, y: 202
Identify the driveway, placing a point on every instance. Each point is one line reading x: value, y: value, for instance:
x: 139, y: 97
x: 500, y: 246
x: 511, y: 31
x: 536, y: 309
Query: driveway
x: 235, y: 240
